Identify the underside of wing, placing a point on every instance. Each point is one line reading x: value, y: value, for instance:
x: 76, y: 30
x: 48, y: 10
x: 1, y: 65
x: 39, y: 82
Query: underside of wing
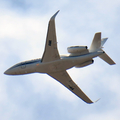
x: 64, y: 78
x: 51, y: 51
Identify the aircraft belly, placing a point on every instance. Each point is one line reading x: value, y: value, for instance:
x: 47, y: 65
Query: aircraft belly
x: 56, y: 66
x: 63, y: 64
x: 53, y: 67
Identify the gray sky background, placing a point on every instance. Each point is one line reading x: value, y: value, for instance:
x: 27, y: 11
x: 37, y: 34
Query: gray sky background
x: 23, y: 28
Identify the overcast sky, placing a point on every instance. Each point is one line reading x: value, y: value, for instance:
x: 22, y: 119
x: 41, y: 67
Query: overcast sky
x: 23, y: 28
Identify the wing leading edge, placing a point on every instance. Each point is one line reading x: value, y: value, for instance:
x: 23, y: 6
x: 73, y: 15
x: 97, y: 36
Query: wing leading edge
x: 64, y: 78
x: 51, y: 52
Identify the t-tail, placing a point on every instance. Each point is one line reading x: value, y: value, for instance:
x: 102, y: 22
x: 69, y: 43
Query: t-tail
x: 97, y: 45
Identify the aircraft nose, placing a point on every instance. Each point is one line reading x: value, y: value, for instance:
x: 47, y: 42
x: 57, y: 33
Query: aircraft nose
x: 8, y: 72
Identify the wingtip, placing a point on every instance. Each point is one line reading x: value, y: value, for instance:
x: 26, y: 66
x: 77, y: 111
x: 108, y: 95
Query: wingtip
x: 97, y: 100
x: 53, y: 17
x: 91, y: 102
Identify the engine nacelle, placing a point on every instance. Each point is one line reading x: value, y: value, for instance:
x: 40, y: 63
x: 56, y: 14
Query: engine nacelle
x: 76, y: 49
x: 84, y: 64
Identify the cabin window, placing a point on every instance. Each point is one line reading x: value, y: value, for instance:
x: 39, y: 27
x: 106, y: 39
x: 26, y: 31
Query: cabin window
x: 50, y: 42
x: 23, y: 66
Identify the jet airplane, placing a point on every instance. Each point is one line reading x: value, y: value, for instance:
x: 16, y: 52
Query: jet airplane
x: 55, y: 65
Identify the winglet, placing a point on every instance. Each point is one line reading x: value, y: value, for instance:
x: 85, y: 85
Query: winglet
x: 92, y: 101
x: 53, y: 17
x: 97, y: 100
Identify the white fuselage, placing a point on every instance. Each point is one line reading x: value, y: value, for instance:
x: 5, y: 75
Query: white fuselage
x: 64, y: 63
x: 55, y: 65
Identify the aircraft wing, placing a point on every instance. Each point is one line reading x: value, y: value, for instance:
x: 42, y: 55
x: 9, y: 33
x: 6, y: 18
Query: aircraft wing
x: 51, y: 51
x: 64, y: 78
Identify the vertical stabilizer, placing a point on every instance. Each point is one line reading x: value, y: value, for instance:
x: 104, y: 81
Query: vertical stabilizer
x: 96, y: 43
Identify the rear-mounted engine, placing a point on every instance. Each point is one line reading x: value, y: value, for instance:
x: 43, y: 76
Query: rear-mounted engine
x: 84, y: 64
x: 76, y: 49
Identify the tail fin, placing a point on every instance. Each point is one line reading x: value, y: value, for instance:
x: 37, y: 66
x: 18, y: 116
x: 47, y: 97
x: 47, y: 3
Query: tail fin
x: 97, y: 44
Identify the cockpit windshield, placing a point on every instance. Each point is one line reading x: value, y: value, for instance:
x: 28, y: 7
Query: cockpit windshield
x: 27, y: 62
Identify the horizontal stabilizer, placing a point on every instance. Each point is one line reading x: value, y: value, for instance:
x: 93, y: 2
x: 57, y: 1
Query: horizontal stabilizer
x: 107, y: 59
x: 103, y: 40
